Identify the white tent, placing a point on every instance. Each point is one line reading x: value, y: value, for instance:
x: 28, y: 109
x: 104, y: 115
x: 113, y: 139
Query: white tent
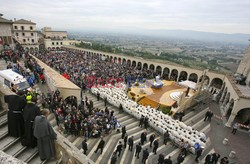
x: 188, y: 83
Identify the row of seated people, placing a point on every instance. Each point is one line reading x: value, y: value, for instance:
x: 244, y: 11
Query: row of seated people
x: 179, y: 131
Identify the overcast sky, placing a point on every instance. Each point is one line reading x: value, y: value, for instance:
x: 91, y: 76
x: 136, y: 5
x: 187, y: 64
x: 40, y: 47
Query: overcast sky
x: 227, y: 16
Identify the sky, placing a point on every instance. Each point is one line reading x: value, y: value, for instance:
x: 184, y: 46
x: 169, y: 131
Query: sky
x: 223, y: 16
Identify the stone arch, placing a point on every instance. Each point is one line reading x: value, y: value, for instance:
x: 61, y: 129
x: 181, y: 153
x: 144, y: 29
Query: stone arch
x: 27, y: 49
x: 206, y: 79
x: 111, y: 58
x: 193, y: 77
x: 119, y: 60
x: 243, y: 116
x: 228, y: 108
x: 115, y: 60
x: 36, y: 49
x: 183, y: 76
x: 57, y: 48
x: 31, y: 50
x: 174, y: 75
x: 216, y: 83
x: 129, y: 62
x: 145, y: 66
x: 139, y: 65
x: 133, y: 63
x: 152, y: 67
x: 158, y: 70
x: 166, y: 73
x: 124, y: 61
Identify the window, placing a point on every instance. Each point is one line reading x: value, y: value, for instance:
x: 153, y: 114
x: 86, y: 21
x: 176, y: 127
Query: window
x: 23, y: 34
x: 32, y: 34
x: 56, y: 43
x: 52, y: 43
x: 61, y: 43
x: 24, y: 40
x: 17, y: 34
x: 31, y: 28
x: 6, y: 82
x: 28, y: 39
x: 32, y: 40
x: 22, y: 27
x: 15, y: 27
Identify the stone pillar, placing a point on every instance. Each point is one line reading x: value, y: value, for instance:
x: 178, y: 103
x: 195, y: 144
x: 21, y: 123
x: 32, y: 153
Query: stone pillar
x: 230, y: 120
x: 223, y: 96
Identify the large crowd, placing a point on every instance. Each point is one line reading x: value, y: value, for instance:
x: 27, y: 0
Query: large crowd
x: 86, y: 120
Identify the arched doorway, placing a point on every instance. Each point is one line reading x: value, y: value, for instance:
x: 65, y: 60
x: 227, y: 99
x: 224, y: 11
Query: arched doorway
x: 183, y: 76
x: 243, y: 116
x: 216, y: 83
x: 119, y: 60
x: 174, y: 75
x: 158, y: 70
x: 123, y: 61
x: 193, y: 77
x: 206, y: 79
x: 139, y: 65
x: 115, y: 60
x: 145, y: 66
x: 152, y: 67
x: 128, y: 63
x: 165, y: 75
x: 134, y: 64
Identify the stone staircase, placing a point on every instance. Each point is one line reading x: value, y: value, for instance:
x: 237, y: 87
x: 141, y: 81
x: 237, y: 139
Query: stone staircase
x: 12, y: 145
x: 193, y: 118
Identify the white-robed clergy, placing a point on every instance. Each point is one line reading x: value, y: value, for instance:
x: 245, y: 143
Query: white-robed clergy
x: 45, y: 135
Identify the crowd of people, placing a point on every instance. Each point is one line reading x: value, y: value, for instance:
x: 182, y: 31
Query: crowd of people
x: 25, y: 119
x: 88, y: 121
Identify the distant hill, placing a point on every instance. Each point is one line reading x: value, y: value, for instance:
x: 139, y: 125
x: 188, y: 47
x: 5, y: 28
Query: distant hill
x: 203, y: 36
x: 236, y: 38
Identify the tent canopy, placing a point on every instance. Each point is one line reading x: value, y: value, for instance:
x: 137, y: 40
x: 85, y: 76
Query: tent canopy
x: 188, y: 83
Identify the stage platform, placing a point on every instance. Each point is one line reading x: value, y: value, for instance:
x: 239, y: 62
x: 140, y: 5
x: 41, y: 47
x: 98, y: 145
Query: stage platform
x: 168, y: 95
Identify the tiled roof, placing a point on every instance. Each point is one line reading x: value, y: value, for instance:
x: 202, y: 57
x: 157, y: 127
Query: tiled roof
x: 23, y: 21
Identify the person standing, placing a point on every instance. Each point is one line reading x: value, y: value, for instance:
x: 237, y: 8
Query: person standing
x: 208, y: 159
x: 151, y: 139
x: 138, y: 150
x: 165, y: 137
x: 161, y: 159
x: 215, y: 157
x: 235, y: 128
x: 141, y: 121
x: 98, y: 96
x: 156, y: 144
x: 29, y: 114
x: 210, y: 116
x: 16, y: 104
x: 131, y: 143
x: 113, y: 159
x: 145, y: 155
x: 180, y: 158
x: 146, y: 123
x: 100, y: 145
x: 168, y: 160
x: 125, y: 141
x: 198, y: 154
x: 143, y: 138
x: 123, y: 131
x: 207, y: 115
x: 181, y: 114
x: 45, y: 135
x: 119, y: 148
x: 85, y: 146
x: 105, y: 101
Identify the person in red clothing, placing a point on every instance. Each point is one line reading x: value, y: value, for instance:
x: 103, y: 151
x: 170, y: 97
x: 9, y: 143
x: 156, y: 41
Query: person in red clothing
x: 42, y: 78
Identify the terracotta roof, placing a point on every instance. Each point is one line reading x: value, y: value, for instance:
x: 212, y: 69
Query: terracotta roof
x: 23, y: 21
x: 3, y: 20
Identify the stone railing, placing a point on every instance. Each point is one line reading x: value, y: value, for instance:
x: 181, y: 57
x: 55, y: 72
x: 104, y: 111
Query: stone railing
x: 66, y: 152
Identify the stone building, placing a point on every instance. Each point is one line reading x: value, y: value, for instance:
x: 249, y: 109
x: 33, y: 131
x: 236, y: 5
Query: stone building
x: 54, y: 40
x: 6, y: 40
x: 25, y: 33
